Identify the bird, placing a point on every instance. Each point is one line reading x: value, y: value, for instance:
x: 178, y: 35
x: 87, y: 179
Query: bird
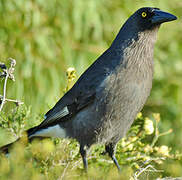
x: 103, y: 103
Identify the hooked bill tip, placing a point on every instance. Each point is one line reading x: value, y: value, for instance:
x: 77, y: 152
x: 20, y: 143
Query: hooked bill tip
x: 161, y: 17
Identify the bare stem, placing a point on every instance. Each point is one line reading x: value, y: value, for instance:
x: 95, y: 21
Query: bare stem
x: 17, y: 102
x: 4, y: 91
x: 7, y: 73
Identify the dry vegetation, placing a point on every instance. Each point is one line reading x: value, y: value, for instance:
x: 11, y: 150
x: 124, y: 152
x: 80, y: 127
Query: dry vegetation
x: 46, y: 39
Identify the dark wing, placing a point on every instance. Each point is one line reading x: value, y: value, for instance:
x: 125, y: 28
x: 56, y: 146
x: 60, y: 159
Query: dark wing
x: 70, y: 104
x: 67, y: 107
x: 82, y: 93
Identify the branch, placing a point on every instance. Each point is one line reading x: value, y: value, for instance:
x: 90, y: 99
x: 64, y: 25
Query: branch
x: 4, y: 91
x: 17, y: 102
x: 148, y: 168
x: 7, y: 73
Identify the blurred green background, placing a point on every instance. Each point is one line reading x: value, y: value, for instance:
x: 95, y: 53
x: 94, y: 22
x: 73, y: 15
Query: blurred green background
x: 47, y: 37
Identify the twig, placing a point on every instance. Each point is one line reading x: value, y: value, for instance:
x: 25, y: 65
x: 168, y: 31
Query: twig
x: 7, y: 73
x: 4, y: 91
x: 17, y: 102
x: 138, y: 173
x: 64, y: 172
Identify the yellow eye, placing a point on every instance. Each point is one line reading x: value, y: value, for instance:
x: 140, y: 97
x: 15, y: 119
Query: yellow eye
x: 144, y: 14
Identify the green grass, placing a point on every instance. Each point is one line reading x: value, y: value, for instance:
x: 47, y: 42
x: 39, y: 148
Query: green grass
x: 47, y: 38
x: 138, y: 153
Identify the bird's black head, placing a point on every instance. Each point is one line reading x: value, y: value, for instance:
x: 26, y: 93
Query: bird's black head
x: 148, y: 18
x: 144, y: 19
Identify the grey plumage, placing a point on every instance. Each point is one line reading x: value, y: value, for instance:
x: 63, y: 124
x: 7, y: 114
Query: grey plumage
x: 103, y: 103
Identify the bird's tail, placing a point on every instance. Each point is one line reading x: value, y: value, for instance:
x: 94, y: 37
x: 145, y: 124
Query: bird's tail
x: 31, y: 131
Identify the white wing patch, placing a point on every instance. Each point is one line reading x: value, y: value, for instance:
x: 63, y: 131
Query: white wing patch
x: 52, y: 131
x: 59, y: 114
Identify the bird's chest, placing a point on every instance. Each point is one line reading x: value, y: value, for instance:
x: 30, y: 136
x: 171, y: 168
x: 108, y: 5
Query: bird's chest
x: 123, y: 96
x: 131, y: 86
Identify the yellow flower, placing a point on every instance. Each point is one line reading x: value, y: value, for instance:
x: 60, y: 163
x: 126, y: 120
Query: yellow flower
x: 71, y: 73
x: 156, y: 116
x: 164, y: 150
x: 139, y: 115
x: 123, y: 143
x: 130, y: 147
x: 148, y: 148
x: 148, y: 126
x: 137, y: 166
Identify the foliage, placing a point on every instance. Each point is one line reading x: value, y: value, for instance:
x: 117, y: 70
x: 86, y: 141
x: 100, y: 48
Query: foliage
x: 138, y: 153
x: 46, y: 39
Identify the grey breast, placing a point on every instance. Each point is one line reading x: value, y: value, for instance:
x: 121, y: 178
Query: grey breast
x: 119, y: 97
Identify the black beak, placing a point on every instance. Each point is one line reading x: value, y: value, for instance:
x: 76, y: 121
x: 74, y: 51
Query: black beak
x: 160, y: 17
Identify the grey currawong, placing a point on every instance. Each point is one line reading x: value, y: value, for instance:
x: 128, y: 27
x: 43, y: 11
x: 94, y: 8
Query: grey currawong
x: 105, y: 100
